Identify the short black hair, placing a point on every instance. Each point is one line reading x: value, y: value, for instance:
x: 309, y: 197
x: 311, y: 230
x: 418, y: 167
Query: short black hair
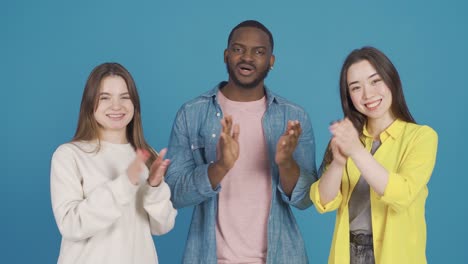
x: 254, y: 24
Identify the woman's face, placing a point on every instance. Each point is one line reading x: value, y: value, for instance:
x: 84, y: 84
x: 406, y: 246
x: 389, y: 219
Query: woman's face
x: 369, y: 93
x: 115, y: 108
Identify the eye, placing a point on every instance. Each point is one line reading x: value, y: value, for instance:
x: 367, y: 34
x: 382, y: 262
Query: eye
x: 259, y: 52
x: 375, y: 81
x: 102, y: 98
x: 354, y: 88
x: 125, y: 97
x: 237, y: 50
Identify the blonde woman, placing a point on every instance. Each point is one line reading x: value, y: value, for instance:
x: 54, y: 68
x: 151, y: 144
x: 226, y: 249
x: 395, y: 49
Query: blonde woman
x: 107, y: 185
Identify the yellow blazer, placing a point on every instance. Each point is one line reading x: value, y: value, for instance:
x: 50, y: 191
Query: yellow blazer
x: 408, y: 152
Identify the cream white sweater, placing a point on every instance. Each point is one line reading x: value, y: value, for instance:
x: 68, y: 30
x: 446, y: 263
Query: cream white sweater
x: 102, y: 217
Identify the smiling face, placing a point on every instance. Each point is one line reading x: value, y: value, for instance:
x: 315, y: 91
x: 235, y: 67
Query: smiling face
x: 369, y: 93
x: 115, y: 108
x: 248, y: 57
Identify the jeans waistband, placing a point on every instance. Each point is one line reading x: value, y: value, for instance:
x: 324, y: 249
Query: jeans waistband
x: 360, y: 239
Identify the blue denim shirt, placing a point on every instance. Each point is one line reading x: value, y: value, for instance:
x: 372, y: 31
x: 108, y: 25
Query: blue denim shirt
x: 192, y: 148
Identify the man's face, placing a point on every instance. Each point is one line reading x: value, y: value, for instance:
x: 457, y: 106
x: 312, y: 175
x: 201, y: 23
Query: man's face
x: 248, y: 57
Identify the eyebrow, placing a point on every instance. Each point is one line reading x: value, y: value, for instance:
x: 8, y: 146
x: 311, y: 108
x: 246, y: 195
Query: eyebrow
x: 372, y: 75
x: 105, y: 93
x: 244, y: 46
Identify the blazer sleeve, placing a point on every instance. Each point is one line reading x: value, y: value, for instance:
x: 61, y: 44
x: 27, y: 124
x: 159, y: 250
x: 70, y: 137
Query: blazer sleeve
x: 330, y: 206
x: 413, y: 172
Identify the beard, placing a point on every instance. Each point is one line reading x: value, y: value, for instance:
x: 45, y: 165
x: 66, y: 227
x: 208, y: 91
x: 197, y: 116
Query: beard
x: 261, y: 76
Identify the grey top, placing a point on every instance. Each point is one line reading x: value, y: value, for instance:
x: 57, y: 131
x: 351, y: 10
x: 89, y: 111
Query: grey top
x: 359, y: 205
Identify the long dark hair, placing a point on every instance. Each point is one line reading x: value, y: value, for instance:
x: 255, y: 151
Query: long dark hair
x: 389, y: 75
x: 88, y: 128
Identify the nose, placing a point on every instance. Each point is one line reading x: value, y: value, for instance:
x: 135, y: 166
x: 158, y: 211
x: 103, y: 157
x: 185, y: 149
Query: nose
x: 116, y: 104
x: 247, y: 56
x: 368, y: 91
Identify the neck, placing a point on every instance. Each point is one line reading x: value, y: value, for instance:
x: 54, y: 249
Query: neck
x: 116, y: 137
x: 376, y: 126
x: 240, y: 94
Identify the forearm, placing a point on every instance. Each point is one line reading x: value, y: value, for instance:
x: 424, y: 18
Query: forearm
x: 374, y: 173
x: 189, y: 185
x: 289, y: 174
x: 330, y: 182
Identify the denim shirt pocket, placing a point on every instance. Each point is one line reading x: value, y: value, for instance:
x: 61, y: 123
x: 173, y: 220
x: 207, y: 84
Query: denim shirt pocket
x: 198, y: 151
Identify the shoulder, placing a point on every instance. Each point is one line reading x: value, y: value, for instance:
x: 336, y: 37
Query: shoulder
x: 198, y: 103
x: 421, y: 130
x: 416, y: 134
x: 290, y: 109
x: 75, y: 148
x: 282, y: 101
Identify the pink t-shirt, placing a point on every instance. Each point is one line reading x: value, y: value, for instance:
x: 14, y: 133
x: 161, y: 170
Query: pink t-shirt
x: 245, y: 196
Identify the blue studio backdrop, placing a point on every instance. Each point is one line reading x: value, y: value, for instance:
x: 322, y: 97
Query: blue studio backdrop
x: 174, y: 50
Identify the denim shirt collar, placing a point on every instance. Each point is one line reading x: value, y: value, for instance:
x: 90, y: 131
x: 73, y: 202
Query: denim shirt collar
x: 271, y: 97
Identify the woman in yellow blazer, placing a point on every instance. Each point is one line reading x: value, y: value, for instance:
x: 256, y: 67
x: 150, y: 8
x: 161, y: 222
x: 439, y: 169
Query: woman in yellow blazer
x: 376, y: 168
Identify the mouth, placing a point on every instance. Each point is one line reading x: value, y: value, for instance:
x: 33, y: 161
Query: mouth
x: 373, y: 104
x: 115, y: 117
x: 245, y: 69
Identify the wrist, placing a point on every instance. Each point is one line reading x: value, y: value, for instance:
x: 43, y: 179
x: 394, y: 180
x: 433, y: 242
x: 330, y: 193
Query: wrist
x: 154, y: 183
x: 357, y: 152
x: 286, y: 164
x: 338, y: 163
x: 222, y: 167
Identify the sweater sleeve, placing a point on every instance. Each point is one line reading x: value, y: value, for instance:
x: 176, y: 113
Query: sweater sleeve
x: 157, y: 203
x: 81, y: 216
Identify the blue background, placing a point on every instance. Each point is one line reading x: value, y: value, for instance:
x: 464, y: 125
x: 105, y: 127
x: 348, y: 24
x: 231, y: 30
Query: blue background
x: 175, y: 52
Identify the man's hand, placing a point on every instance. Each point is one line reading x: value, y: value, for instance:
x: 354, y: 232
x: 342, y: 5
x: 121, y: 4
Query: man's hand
x: 287, y: 144
x: 228, y: 151
x: 228, y: 144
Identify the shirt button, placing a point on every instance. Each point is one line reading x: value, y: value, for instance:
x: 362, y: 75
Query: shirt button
x: 214, y: 135
x: 218, y: 114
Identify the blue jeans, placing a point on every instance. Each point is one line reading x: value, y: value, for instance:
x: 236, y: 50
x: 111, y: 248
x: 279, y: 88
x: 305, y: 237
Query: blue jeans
x: 361, y: 249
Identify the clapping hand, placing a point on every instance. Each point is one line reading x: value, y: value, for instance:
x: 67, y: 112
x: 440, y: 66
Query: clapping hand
x: 287, y: 144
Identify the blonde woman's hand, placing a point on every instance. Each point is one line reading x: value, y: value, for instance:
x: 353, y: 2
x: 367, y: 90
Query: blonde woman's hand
x: 158, y: 169
x: 137, y: 166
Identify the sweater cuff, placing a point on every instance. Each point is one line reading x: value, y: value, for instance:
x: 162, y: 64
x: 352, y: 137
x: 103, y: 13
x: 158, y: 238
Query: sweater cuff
x: 158, y: 193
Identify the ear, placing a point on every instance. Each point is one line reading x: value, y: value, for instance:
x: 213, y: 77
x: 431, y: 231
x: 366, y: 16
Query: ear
x: 225, y: 55
x: 272, y: 60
